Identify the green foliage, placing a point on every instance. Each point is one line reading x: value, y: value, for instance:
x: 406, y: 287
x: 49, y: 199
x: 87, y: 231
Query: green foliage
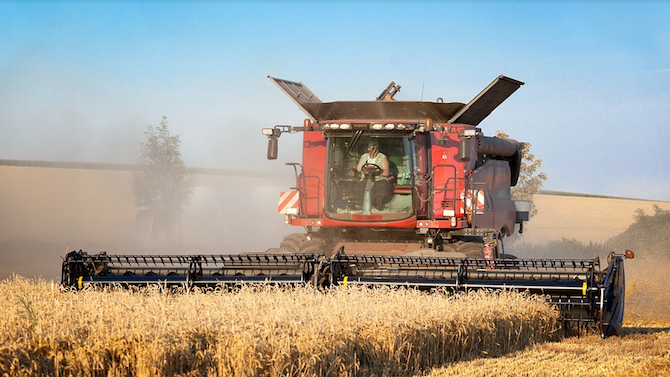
x: 531, y: 179
x: 161, y: 183
x: 660, y: 216
x: 570, y: 247
x: 28, y: 307
x: 648, y: 236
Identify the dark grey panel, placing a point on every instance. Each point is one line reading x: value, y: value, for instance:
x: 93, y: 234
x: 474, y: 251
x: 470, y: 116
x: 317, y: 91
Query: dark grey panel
x: 485, y: 102
x: 298, y: 93
x: 383, y: 110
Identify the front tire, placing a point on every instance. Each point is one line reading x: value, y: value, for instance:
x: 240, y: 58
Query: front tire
x: 291, y: 243
x: 314, y: 246
x: 472, y: 249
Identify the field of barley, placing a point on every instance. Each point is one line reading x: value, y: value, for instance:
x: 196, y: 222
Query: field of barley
x: 48, y: 331
x: 643, y: 349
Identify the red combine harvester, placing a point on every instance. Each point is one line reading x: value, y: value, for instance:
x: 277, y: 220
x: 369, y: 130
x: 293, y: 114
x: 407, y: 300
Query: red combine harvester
x: 400, y: 193
x: 444, y: 189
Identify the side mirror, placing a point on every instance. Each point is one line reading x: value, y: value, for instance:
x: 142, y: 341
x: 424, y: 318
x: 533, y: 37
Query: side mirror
x: 273, y: 134
x: 272, y: 147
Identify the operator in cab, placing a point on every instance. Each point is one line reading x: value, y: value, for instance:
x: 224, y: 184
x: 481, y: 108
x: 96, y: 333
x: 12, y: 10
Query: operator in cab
x: 380, y: 177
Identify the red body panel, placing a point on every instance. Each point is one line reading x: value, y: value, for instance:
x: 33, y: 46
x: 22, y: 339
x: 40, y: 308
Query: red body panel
x: 314, y: 164
x: 448, y: 181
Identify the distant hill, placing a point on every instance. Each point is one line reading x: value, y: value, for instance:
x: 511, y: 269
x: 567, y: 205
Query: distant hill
x: 585, y: 218
x: 565, y: 193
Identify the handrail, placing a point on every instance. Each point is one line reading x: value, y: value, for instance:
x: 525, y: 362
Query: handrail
x: 301, y: 188
x: 435, y: 190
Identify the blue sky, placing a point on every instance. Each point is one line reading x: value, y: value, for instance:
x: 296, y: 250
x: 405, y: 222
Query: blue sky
x: 81, y: 81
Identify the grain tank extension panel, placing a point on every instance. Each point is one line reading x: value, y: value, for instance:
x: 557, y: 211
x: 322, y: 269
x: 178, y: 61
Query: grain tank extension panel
x: 485, y: 102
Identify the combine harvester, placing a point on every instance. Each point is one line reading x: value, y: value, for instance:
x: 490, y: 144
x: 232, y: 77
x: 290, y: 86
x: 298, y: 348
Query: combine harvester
x: 413, y: 192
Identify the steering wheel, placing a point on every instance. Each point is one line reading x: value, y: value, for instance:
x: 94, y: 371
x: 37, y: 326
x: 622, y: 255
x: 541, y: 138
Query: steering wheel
x: 371, y: 169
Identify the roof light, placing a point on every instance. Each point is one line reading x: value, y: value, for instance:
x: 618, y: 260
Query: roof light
x: 377, y: 126
x: 307, y: 122
x: 334, y: 126
x: 401, y: 126
x: 470, y: 132
x: 325, y: 126
x: 267, y: 131
x: 345, y: 126
x: 389, y: 126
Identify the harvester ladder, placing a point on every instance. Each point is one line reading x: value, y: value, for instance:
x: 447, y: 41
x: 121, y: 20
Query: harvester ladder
x: 301, y: 186
x: 450, y: 194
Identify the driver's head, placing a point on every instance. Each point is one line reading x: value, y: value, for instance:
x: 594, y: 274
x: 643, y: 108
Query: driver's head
x: 373, y: 145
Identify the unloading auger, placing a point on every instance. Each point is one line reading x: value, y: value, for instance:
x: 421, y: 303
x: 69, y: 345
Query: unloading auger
x: 586, y: 295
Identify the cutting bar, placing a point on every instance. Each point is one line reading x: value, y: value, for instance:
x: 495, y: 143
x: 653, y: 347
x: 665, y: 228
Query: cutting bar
x: 584, y: 294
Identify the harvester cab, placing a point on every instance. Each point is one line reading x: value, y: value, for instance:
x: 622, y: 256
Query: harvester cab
x: 396, y: 193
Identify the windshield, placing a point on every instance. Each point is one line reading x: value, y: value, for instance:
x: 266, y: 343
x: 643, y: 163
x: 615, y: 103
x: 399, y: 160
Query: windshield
x: 369, y: 177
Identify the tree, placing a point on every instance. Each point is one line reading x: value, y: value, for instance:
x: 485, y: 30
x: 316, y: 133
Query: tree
x: 530, y: 180
x: 160, y: 183
x: 649, y: 236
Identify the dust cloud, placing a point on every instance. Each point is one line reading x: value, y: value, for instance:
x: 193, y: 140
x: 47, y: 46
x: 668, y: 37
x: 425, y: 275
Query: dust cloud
x: 49, y: 210
x: 647, y: 294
